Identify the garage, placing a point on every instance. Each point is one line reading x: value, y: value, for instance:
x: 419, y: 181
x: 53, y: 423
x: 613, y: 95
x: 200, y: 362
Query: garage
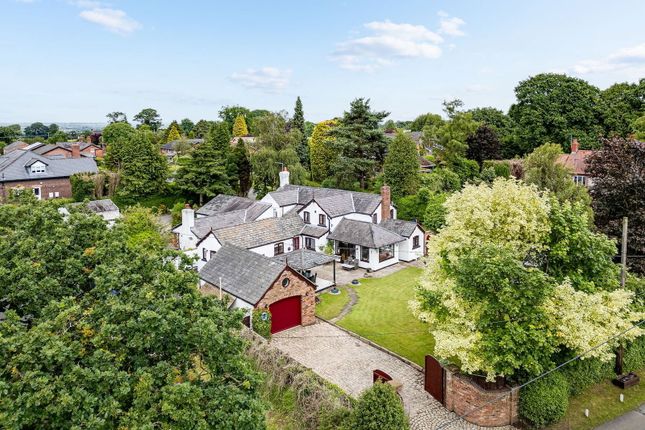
x: 285, y: 313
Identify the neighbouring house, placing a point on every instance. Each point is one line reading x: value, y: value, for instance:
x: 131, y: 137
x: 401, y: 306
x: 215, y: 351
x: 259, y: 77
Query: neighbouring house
x: 248, y: 140
x: 171, y: 148
x: 104, y: 208
x: 254, y: 281
x: 48, y: 178
x: 577, y: 162
x: 18, y: 144
x: 68, y: 150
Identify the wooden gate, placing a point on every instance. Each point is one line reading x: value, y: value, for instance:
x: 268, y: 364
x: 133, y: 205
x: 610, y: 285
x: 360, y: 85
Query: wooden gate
x: 434, y: 377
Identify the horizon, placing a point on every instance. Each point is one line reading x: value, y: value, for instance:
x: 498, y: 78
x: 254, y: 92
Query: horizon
x: 96, y: 57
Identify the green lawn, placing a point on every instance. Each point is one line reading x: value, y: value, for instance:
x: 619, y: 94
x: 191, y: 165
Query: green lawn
x: 330, y: 305
x: 603, y: 403
x: 382, y: 315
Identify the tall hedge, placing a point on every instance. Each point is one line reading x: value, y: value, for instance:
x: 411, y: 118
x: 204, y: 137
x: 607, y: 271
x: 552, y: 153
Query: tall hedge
x: 379, y: 408
x: 545, y: 401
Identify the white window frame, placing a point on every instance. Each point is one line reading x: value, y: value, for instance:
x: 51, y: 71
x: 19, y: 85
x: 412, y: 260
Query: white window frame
x: 38, y: 168
x: 39, y: 194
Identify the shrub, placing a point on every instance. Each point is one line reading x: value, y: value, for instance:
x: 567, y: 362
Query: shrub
x: 82, y: 186
x: 634, y: 357
x: 414, y: 206
x: 262, y: 322
x: 435, y: 214
x: 545, y: 401
x: 582, y: 373
x: 501, y: 167
x: 379, y: 408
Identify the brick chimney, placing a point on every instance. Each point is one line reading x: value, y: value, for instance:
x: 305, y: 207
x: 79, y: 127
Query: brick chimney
x: 574, y: 145
x: 385, y: 203
x: 76, y: 150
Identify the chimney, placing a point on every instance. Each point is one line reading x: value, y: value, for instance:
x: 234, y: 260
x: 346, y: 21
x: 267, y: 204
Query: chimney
x: 284, y: 177
x: 76, y: 150
x: 574, y: 145
x: 385, y: 203
x: 187, y: 218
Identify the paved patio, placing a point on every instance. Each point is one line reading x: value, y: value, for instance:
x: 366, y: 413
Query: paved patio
x: 344, y: 277
x: 348, y: 362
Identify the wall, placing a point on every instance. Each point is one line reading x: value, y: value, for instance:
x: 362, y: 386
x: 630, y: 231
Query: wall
x: 406, y: 252
x: 210, y: 243
x: 376, y: 265
x: 463, y: 396
x: 61, y: 186
x: 268, y: 251
x: 298, y: 286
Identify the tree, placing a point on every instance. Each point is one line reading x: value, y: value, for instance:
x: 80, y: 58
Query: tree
x: 503, y: 126
x: 552, y: 107
x: 37, y: 129
x: 448, y: 141
x: 426, y: 120
x: 115, y: 137
x: 498, y: 271
x: 401, y: 166
x: 379, y: 408
x: 143, y: 168
x: 172, y: 132
x: 9, y: 133
x: 59, y: 136
x: 621, y: 105
x: 137, y: 347
x: 202, y: 128
x: 242, y: 161
x: 483, y: 145
x: 321, y: 150
x: 229, y: 114
x: 116, y: 117
x: 239, y: 127
x: 435, y: 212
x: 53, y: 128
x: 298, y: 122
x: 543, y: 169
x: 149, y: 117
x: 204, y: 172
x: 360, y: 144
x: 618, y: 172
x: 186, y: 126
x: 638, y: 128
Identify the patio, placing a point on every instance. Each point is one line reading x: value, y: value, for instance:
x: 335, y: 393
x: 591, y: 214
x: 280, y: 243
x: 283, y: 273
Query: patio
x: 344, y: 277
x: 305, y: 261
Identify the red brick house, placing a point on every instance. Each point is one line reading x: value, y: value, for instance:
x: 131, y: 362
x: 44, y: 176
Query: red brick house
x: 254, y: 281
x: 576, y: 161
x: 48, y: 178
x: 69, y: 150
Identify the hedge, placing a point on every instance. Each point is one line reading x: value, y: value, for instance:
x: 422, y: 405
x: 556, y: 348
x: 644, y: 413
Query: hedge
x: 582, y: 373
x: 634, y: 357
x: 545, y: 401
x: 379, y: 408
x: 262, y: 326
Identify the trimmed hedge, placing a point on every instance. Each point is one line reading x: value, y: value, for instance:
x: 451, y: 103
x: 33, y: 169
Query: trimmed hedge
x: 582, y: 373
x: 634, y: 357
x: 545, y: 401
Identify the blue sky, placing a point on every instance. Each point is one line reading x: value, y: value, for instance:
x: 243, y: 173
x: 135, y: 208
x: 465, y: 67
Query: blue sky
x: 65, y: 60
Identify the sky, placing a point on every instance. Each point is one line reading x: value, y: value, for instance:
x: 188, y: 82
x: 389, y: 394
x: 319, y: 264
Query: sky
x: 76, y: 60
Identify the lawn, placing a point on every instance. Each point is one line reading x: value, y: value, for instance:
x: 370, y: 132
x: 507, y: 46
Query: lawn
x: 603, y: 403
x: 330, y: 305
x: 382, y: 315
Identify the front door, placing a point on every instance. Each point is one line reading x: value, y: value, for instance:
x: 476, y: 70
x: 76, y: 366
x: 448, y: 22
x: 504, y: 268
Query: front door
x: 285, y: 313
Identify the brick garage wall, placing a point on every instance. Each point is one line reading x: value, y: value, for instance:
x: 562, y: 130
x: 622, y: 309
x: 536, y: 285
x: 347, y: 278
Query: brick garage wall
x: 298, y: 286
x: 60, y: 185
x: 462, y: 395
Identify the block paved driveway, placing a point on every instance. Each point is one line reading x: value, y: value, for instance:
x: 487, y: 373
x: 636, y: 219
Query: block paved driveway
x: 348, y: 362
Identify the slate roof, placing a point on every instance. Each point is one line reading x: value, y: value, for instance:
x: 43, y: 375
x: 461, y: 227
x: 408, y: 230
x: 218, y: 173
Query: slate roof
x: 224, y: 203
x: 14, y: 166
x: 304, y: 259
x: 334, y: 202
x: 100, y: 206
x: 364, y: 234
x: 399, y: 226
x: 204, y: 225
x: 262, y: 232
x: 244, y: 274
x: 313, y: 230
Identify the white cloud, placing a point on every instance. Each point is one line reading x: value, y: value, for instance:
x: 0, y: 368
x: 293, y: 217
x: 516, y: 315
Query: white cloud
x: 269, y: 79
x: 450, y: 26
x: 115, y: 20
x: 630, y: 60
x: 388, y: 41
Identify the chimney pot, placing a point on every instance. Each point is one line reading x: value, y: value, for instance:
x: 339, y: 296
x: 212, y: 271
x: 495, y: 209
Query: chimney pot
x: 386, y: 201
x: 76, y: 150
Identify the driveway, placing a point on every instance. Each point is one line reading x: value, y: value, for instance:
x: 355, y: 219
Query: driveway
x: 348, y: 363
x: 634, y: 420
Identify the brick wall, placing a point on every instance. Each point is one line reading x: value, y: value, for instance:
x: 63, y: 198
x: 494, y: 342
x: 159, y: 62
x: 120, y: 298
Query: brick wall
x: 62, y: 186
x: 463, y: 396
x: 298, y: 286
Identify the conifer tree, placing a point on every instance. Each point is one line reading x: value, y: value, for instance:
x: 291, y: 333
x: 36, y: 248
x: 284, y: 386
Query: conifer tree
x: 298, y: 123
x: 239, y: 127
x: 204, y: 173
x: 172, y: 132
x: 242, y: 162
x: 321, y: 151
x: 143, y: 168
x: 401, y: 166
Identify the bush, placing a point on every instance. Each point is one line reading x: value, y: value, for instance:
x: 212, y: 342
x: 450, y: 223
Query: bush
x: 413, y: 207
x: 82, y: 186
x: 435, y: 214
x: 501, y: 167
x: 441, y: 180
x: 379, y: 408
x: 582, y: 373
x: 634, y: 357
x: 262, y: 326
x: 545, y: 401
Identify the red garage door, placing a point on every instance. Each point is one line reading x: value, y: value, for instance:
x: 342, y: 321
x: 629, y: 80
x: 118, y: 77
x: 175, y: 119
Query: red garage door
x: 285, y: 314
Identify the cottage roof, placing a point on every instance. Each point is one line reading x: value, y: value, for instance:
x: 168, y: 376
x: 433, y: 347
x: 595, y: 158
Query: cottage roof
x: 245, y: 274
x: 400, y: 227
x: 204, y: 225
x: 334, y: 202
x: 576, y: 161
x: 364, y: 234
x: 18, y: 144
x: 14, y: 166
x: 262, y: 232
x: 224, y: 203
x: 313, y: 230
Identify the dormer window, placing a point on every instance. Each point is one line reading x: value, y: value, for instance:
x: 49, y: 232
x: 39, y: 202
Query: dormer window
x: 38, y: 167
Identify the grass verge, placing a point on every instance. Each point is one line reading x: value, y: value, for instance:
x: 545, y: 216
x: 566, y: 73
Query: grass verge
x: 330, y: 305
